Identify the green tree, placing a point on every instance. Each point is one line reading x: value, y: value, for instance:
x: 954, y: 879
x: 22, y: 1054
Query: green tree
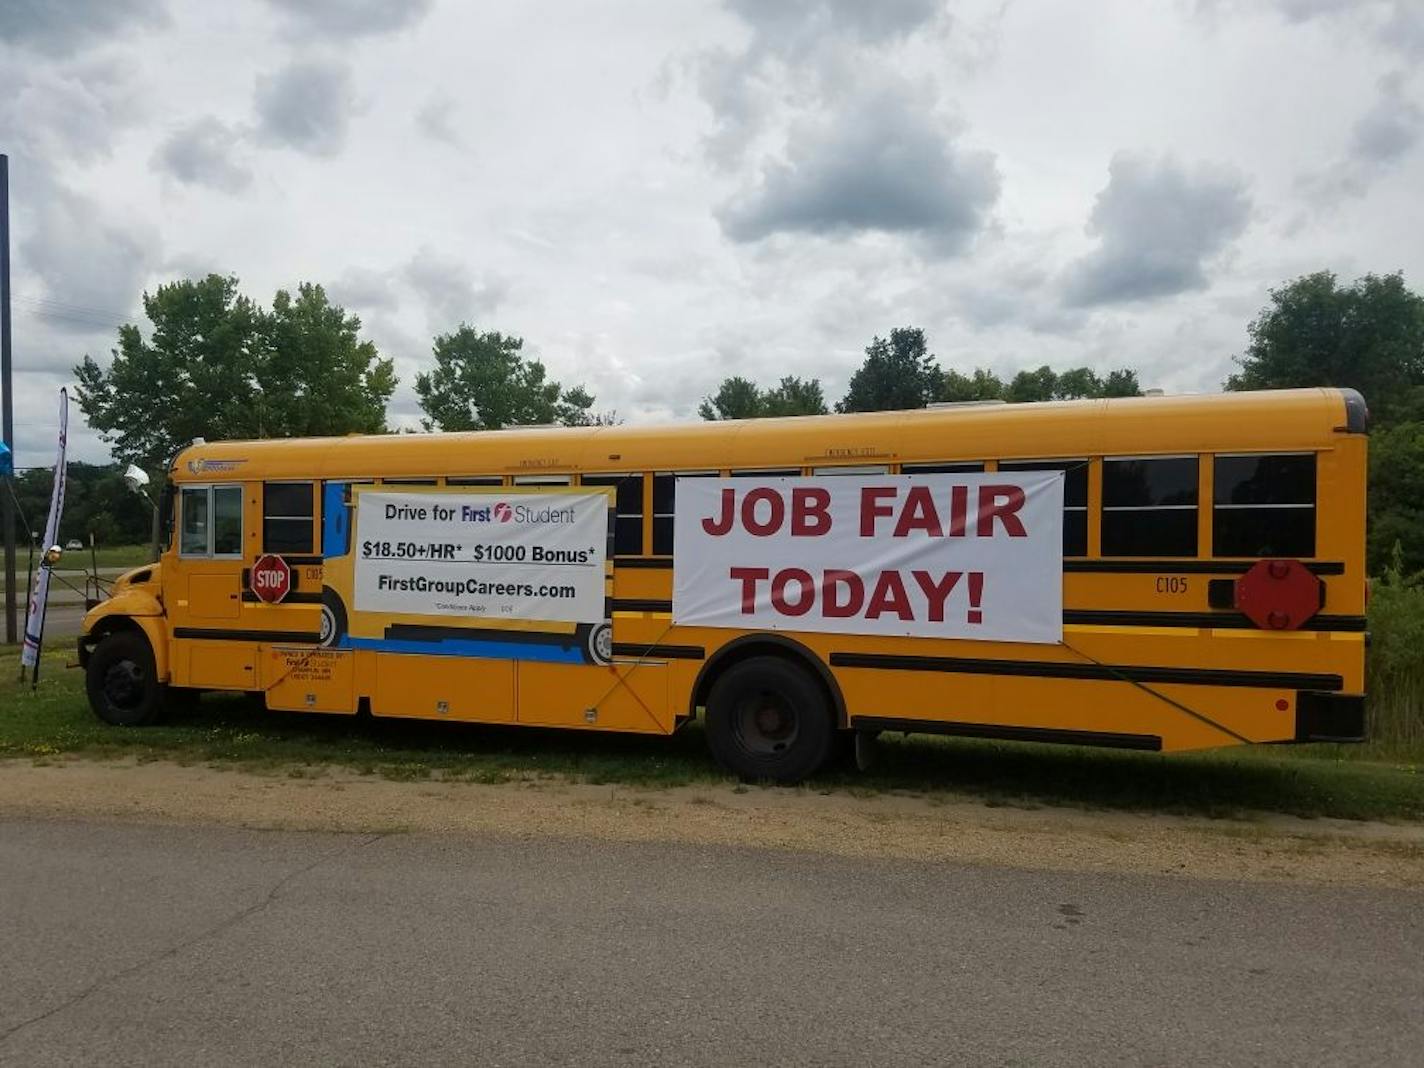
x: 795, y: 396
x: 981, y: 385
x: 96, y: 502
x: 736, y: 398
x: 576, y: 409
x: 740, y: 398
x: 1397, y: 496
x: 1077, y: 383
x: 482, y: 382
x: 898, y: 372
x: 1037, y: 385
x: 317, y: 376
x: 217, y: 365
x: 1121, y: 383
x: 1368, y: 336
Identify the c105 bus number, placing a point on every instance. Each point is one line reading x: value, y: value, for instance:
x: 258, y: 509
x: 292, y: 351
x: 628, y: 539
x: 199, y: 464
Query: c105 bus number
x: 1171, y: 584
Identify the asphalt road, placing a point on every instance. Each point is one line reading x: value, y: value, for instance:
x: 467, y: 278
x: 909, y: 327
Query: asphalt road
x: 188, y: 945
x: 62, y: 624
x: 65, y: 611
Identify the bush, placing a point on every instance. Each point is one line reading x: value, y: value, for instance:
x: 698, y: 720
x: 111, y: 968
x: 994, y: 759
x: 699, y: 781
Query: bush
x: 1396, y: 659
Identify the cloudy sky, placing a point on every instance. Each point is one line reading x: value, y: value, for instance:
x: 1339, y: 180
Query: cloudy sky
x: 656, y: 194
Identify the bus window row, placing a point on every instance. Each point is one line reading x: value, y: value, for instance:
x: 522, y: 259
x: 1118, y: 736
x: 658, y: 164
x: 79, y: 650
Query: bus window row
x: 1261, y: 505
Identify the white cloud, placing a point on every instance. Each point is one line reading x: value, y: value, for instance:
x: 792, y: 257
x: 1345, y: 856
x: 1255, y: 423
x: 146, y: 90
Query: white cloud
x: 793, y: 188
x: 886, y: 163
x: 307, y: 105
x: 449, y: 291
x: 1158, y: 225
x: 354, y: 18
x: 202, y: 153
x: 1380, y: 140
x: 436, y: 118
x: 64, y: 27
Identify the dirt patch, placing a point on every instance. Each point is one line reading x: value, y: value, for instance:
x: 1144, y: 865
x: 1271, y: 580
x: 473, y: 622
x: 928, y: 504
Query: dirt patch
x: 886, y: 825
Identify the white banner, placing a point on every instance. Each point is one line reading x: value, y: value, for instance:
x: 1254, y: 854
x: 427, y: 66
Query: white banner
x: 488, y: 555
x: 39, y: 596
x: 933, y: 556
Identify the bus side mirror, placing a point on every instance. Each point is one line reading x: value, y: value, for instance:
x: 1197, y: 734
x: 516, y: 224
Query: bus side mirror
x: 136, y: 478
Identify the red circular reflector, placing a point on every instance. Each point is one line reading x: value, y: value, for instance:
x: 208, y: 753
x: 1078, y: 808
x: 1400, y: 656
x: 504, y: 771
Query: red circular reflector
x: 1282, y: 704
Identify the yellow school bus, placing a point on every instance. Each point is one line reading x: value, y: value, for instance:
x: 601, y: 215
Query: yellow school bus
x: 1213, y: 584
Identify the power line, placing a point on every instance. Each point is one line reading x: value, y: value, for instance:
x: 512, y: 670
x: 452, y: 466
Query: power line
x: 45, y: 308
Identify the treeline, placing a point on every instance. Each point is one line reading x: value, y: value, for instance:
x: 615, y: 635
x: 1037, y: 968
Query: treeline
x: 96, y: 501
x: 1368, y: 336
x: 900, y: 372
x: 215, y: 363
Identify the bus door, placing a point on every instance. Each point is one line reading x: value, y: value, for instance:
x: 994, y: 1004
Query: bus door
x: 209, y: 554
x: 203, y: 594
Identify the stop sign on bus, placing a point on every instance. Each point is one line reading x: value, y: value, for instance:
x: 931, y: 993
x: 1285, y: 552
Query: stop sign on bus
x: 271, y: 578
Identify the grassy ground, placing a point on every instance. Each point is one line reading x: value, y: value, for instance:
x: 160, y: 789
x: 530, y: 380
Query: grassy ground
x: 109, y: 556
x: 76, y: 560
x: 1351, y: 782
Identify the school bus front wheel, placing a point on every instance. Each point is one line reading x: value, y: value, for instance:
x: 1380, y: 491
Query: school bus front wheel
x: 121, y: 681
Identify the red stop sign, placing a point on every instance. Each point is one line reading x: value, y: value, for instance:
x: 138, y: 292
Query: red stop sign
x: 271, y: 578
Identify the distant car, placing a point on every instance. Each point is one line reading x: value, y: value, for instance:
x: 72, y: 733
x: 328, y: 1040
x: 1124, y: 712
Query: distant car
x: 73, y: 543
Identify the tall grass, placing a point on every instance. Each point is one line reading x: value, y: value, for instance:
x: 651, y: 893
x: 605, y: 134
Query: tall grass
x: 1396, y: 661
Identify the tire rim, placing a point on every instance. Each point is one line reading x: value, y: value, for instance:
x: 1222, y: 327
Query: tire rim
x: 603, y: 644
x: 328, y: 625
x: 124, y: 686
x: 766, y: 724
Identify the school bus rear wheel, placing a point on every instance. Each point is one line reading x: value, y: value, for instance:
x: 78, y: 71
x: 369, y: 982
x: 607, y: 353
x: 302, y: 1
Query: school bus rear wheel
x: 121, y: 681
x: 767, y: 718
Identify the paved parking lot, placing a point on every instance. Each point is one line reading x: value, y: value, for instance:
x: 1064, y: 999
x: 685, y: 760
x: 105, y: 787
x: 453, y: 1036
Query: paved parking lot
x: 141, y: 944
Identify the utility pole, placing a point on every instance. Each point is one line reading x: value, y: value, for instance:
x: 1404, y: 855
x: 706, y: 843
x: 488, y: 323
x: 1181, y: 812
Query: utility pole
x: 7, y: 405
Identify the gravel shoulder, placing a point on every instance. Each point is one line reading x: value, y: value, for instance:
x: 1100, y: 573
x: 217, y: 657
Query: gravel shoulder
x: 886, y: 825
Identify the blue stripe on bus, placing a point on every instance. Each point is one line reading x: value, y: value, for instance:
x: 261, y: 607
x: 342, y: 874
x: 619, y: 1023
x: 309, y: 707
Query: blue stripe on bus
x: 488, y: 650
x: 335, y: 520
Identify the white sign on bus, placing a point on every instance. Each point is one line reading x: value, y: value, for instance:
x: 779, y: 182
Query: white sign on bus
x: 946, y: 555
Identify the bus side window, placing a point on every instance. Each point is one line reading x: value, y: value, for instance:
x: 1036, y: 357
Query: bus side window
x: 1075, y: 498
x: 289, y: 517
x: 1264, y: 505
x: 852, y: 469
x: 1150, y: 506
x: 210, y: 521
x: 227, y: 520
x: 664, y: 497
x: 942, y: 469
x: 627, y: 511
x: 193, y: 521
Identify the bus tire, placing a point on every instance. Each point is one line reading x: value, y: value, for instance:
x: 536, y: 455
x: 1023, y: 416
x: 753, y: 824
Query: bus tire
x: 768, y: 718
x: 596, y: 641
x: 121, y: 681
x: 333, y: 618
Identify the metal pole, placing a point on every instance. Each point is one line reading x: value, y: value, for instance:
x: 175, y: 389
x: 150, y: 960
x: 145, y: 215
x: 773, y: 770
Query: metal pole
x: 7, y: 409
